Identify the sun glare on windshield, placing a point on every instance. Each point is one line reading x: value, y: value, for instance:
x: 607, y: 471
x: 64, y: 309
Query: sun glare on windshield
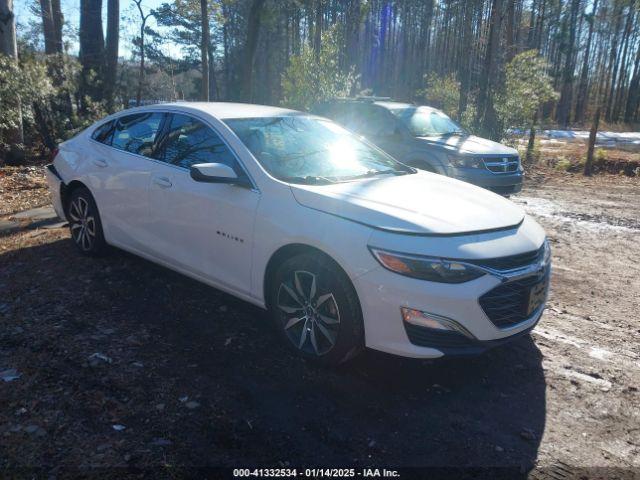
x: 343, y: 155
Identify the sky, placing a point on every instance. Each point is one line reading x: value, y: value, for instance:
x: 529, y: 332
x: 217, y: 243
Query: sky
x: 71, y: 12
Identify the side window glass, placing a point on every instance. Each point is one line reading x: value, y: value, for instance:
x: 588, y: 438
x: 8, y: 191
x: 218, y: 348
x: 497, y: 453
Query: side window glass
x: 136, y: 133
x: 344, y: 116
x: 375, y: 122
x: 103, y: 133
x: 188, y: 141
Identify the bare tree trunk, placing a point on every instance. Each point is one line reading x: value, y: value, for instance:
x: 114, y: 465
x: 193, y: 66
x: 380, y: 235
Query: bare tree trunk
x: 143, y: 24
x: 486, y: 116
x: 111, y: 62
x: 204, y: 50
x: 634, y: 94
x: 583, y: 86
x: 353, y: 16
x: 317, y: 32
x: 613, y: 60
x: 511, y: 47
x: 566, y: 95
x: 9, y: 47
x: 588, y: 165
x: 91, y: 50
x: 253, y: 25
x: 617, y: 101
x: 58, y: 21
x: 46, y: 12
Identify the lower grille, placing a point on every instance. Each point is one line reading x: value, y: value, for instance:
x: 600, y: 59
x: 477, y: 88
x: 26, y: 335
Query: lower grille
x: 508, y: 303
x: 502, y: 164
x: 454, y: 343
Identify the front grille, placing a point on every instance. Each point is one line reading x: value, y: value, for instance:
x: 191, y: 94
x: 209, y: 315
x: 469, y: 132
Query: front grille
x: 507, y: 304
x: 502, y: 164
x: 454, y: 343
x: 512, y: 261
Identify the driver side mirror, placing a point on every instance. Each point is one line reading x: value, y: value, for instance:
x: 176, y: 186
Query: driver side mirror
x: 217, y: 173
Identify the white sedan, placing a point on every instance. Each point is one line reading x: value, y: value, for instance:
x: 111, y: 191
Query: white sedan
x: 344, y: 246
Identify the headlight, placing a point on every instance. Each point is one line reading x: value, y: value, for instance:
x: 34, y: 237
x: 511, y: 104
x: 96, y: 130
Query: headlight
x: 426, y: 268
x: 463, y: 161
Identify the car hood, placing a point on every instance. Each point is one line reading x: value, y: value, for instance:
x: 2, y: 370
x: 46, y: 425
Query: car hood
x: 469, y: 144
x: 421, y: 203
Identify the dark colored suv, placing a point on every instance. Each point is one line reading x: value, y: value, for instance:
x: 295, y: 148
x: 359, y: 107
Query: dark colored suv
x: 426, y: 138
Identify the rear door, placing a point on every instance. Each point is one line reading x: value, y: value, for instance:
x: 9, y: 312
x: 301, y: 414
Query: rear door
x: 205, y: 228
x: 123, y: 171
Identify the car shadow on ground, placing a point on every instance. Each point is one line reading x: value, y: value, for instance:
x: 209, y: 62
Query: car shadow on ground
x: 256, y: 404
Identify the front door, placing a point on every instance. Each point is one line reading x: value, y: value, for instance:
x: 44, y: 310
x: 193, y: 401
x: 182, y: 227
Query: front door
x: 205, y: 228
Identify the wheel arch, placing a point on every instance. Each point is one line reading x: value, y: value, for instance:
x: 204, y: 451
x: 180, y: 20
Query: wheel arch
x: 67, y: 189
x: 288, y: 251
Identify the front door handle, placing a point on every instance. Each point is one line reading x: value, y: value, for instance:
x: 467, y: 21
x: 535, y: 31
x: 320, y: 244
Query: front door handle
x: 99, y: 162
x: 162, y: 182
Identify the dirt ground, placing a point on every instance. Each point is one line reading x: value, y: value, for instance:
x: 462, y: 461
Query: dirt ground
x: 121, y: 363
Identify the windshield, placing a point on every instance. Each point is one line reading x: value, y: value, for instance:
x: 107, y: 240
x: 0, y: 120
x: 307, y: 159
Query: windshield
x: 300, y: 149
x: 425, y: 122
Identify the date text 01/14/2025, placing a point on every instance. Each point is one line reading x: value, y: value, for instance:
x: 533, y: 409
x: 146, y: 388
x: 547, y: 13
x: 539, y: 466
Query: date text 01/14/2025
x: 316, y: 472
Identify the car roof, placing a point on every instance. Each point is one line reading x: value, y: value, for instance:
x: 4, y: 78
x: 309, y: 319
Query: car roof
x: 388, y: 104
x: 221, y: 110
x: 394, y: 105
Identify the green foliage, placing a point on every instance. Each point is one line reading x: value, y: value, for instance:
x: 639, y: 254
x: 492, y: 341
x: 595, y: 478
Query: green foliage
x: 600, y: 155
x: 442, y: 92
x: 536, y: 152
x: 562, y: 164
x: 527, y: 88
x: 21, y: 85
x: 309, y: 79
x: 468, y: 117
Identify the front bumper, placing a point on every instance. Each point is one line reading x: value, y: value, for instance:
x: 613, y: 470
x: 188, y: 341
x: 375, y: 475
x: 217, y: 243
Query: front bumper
x: 502, y: 183
x: 383, y: 293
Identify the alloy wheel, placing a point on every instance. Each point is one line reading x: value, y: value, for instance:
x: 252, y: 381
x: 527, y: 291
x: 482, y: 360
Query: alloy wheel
x: 311, y: 318
x: 83, y: 223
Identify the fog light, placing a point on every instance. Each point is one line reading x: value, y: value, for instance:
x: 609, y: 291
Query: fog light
x: 423, y: 319
x: 431, y: 320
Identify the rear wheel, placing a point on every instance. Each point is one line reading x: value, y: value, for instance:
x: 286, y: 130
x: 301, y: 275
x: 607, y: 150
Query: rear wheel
x: 85, y: 224
x: 316, y: 309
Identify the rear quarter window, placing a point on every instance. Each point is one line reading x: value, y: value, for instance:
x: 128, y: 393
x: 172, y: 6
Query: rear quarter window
x: 103, y: 133
x: 136, y: 133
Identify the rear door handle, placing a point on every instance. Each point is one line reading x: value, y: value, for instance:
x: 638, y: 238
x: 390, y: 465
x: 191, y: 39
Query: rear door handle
x: 100, y: 162
x: 163, y: 182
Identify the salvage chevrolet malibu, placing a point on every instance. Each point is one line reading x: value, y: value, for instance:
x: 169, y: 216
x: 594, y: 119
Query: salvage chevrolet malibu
x: 344, y: 246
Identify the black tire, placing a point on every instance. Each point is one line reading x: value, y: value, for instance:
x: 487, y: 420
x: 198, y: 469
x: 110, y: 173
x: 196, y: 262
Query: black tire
x: 85, y: 224
x: 299, y: 307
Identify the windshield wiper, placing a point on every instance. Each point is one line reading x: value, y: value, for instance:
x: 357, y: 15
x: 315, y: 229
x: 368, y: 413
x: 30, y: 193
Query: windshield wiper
x: 308, y: 180
x: 375, y: 173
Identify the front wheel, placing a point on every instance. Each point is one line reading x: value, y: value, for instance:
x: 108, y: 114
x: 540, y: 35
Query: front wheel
x: 85, y: 224
x: 316, y: 309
